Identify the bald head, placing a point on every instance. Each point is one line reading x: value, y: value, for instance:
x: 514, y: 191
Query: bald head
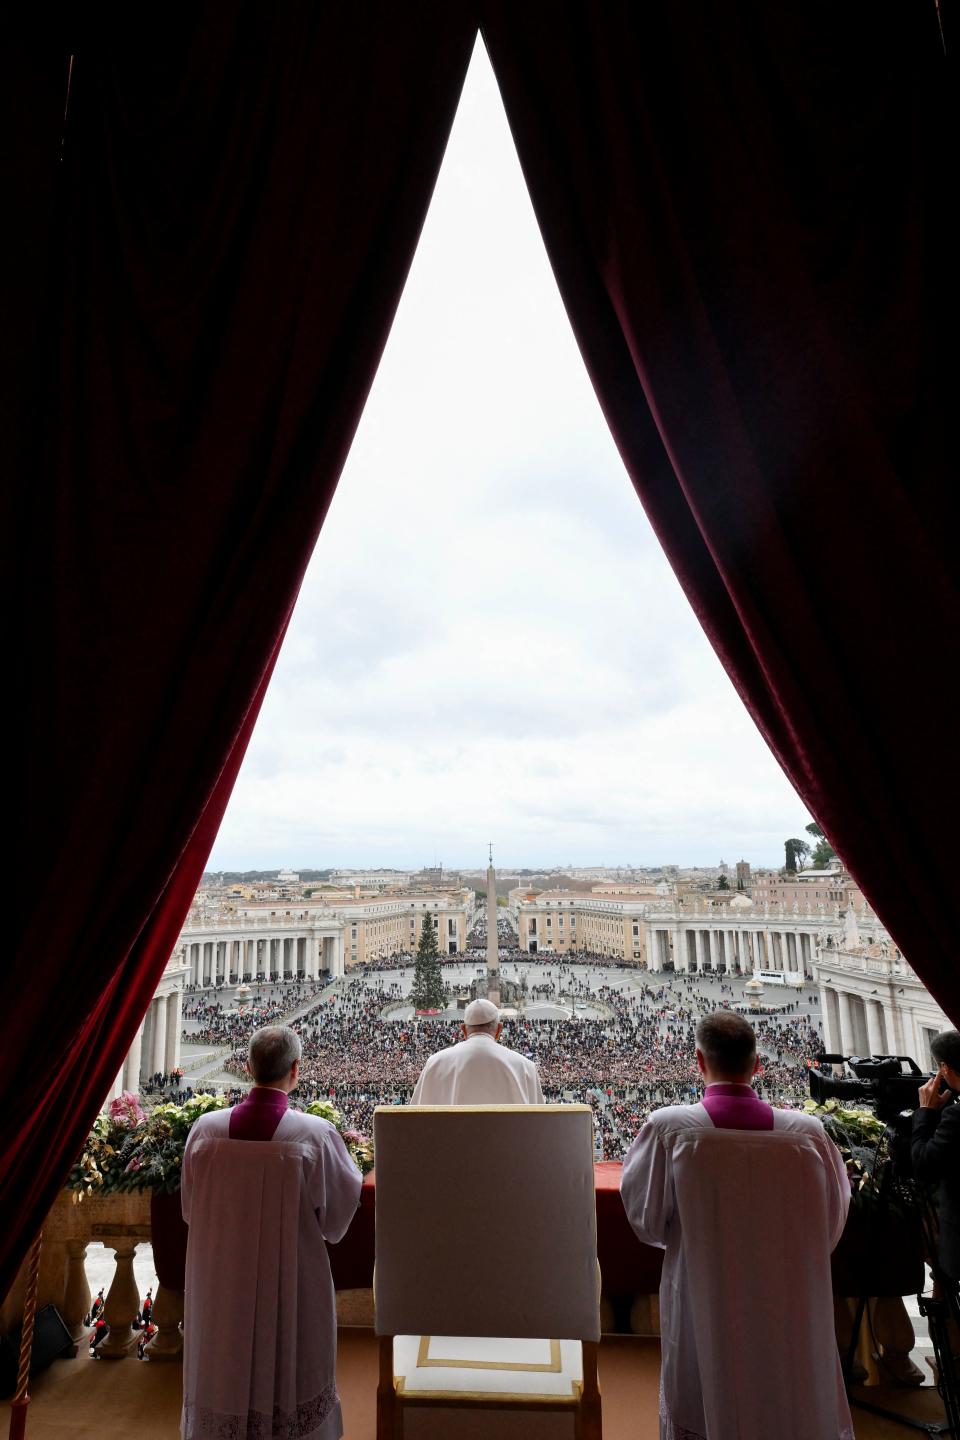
x: 726, y: 1046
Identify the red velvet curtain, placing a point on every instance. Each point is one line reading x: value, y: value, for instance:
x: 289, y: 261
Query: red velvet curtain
x: 237, y: 207
x: 746, y: 208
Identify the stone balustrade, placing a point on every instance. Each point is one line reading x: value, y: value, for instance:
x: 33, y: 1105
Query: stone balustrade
x: 121, y: 1223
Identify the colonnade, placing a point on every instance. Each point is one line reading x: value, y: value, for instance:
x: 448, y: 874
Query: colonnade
x: 859, y: 1025
x: 734, y: 950
x: 156, y: 1046
x: 246, y: 957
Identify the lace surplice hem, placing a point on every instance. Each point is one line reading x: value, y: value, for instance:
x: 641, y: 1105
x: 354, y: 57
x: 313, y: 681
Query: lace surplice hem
x: 669, y: 1430
x: 202, y: 1423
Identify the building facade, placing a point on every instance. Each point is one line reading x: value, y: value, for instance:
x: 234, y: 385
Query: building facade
x: 156, y: 1045
x: 309, y: 938
x: 724, y: 932
x: 872, y: 1002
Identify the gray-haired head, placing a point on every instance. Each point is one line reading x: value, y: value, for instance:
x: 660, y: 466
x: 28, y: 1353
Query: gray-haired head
x: 272, y: 1053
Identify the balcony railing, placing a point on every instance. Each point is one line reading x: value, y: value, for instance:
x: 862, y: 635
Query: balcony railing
x: 121, y: 1223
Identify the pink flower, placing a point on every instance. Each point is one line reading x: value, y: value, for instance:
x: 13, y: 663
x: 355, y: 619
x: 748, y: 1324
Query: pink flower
x: 126, y: 1110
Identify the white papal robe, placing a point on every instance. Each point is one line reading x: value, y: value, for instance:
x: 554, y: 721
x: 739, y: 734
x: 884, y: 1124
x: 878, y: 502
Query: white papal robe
x: 748, y: 1219
x: 478, y: 1071
x: 259, y: 1327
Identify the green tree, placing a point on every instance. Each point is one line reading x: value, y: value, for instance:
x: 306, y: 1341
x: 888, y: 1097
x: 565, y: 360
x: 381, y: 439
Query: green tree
x: 796, y: 851
x: 723, y: 883
x: 428, y: 989
x: 823, y: 851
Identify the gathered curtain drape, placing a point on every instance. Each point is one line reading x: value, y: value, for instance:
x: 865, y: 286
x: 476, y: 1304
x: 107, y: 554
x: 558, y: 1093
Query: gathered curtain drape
x: 215, y: 265
x: 746, y: 210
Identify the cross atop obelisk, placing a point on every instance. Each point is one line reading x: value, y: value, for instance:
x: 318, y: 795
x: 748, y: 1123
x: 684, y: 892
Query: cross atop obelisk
x: 493, y: 944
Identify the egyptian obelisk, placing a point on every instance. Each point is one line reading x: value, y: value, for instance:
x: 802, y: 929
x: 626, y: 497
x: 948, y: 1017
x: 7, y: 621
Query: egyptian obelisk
x: 493, y: 944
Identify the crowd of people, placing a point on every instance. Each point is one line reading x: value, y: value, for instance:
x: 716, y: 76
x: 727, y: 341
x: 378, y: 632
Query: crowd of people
x: 631, y: 1053
x: 218, y: 1023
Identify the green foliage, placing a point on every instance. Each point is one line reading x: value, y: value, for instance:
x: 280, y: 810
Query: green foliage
x: 860, y: 1138
x: 823, y: 851
x: 428, y: 991
x: 130, y: 1149
x: 796, y: 851
x: 359, y: 1146
x: 723, y: 883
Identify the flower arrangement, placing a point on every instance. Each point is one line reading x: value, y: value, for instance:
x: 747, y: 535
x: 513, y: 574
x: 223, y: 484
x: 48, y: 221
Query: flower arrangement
x: 133, y: 1149
x: 359, y: 1146
x: 100, y: 1168
x: 861, y: 1139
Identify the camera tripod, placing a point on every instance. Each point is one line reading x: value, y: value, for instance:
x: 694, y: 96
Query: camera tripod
x: 938, y: 1309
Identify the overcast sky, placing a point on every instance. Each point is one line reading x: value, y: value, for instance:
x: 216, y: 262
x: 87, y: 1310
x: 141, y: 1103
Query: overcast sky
x: 489, y: 644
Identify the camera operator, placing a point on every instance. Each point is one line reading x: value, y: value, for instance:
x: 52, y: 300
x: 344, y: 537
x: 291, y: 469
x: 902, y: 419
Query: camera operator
x: 935, y: 1143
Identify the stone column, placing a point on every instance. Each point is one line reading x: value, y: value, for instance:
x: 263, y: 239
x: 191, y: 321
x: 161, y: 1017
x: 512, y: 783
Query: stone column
x: 131, y: 1066
x: 122, y: 1302
x: 76, y: 1295
x: 875, y: 1036
x: 714, y: 949
x: 698, y: 949
x: 167, y: 1315
x: 158, y: 1062
x: 846, y: 1022
x: 654, y: 949
x: 146, y: 1040
x: 173, y: 1020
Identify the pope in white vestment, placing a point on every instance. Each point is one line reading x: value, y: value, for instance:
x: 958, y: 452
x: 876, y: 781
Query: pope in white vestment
x: 748, y: 1202
x: 260, y: 1320
x: 478, y: 1070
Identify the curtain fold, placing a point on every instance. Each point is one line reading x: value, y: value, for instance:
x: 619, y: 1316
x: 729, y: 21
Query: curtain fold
x: 237, y: 207
x: 746, y: 211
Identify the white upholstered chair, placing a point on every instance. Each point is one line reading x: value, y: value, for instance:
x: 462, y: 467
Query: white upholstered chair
x: 486, y: 1282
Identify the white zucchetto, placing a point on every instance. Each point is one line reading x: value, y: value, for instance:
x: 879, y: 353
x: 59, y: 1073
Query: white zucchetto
x: 480, y: 1012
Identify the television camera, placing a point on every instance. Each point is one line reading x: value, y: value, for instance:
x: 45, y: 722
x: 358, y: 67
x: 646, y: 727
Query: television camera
x: 889, y: 1084
x: 881, y: 1082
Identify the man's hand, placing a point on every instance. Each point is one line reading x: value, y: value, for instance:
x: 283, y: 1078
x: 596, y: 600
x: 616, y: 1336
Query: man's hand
x: 930, y: 1096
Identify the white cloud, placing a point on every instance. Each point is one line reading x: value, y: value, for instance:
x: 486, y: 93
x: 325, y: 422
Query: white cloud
x: 489, y: 643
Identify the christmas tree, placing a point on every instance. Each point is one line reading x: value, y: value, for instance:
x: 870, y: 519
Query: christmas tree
x: 428, y: 992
